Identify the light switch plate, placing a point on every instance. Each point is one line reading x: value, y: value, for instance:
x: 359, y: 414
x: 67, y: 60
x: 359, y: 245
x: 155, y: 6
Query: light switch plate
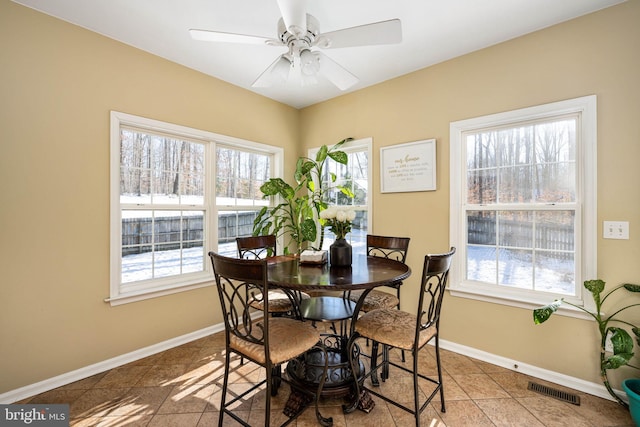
x: 615, y: 230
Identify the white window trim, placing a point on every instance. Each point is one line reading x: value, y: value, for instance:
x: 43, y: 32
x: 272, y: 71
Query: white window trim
x: 363, y: 144
x: 586, y: 160
x: 185, y: 282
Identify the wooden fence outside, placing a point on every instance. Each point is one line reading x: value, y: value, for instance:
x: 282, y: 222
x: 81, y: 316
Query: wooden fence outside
x: 138, y: 233
x: 553, y: 237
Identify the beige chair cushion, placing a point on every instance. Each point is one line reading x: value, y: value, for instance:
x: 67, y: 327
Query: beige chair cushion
x: 288, y: 338
x: 279, y: 302
x: 393, y: 327
x: 375, y: 300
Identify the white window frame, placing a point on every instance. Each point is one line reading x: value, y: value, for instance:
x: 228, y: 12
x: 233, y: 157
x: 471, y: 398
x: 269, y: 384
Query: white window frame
x: 119, y: 294
x: 586, y: 211
x: 277, y: 171
x: 363, y: 144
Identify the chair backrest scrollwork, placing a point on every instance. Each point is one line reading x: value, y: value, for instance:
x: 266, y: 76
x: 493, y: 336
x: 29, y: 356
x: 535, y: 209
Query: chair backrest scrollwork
x: 239, y: 282
x: 388, y: 247
x: 435, y: 273
x: 256, y: 247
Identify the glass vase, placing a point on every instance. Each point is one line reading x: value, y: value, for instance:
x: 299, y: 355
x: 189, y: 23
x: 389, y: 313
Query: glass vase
x: 340, y: 253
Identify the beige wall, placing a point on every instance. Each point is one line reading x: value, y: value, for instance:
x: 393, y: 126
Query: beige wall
x: 596, y: 54
x: 58, y: 83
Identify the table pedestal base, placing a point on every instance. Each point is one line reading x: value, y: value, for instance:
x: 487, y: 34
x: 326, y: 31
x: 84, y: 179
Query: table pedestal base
x: 296, y: 401
x: 306, y: 372
x: 365, y: 403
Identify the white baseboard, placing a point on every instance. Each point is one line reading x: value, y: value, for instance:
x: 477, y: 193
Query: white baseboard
x: 595, y: 389
x: 64, y: 379
x: 87, y: 371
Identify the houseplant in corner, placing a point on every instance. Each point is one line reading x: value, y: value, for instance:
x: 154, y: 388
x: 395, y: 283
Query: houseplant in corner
x: 299, y: 207
x: 621, y: 340
x: 292, y: 217
x: 312, y: 173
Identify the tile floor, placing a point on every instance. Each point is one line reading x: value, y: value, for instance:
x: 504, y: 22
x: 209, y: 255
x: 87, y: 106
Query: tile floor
x: 181, y: 388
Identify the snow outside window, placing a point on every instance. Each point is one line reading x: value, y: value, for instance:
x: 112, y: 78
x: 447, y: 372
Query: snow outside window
x: 176, y: 194
x: 523, y: 208
x: 355, y: 175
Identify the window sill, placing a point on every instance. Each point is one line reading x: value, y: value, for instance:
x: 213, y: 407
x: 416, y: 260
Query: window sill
x: 517, y: 301
x: 129, y: 297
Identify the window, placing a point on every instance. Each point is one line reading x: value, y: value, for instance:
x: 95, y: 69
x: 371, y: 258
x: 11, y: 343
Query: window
x: 164, y: 218
x: 240, y: 174
x: 162, y: 206
x: 523, y: 208
x: 356, y: 175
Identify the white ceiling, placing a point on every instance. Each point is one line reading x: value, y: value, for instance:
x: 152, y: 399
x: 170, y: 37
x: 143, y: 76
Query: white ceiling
x: 433, y: 31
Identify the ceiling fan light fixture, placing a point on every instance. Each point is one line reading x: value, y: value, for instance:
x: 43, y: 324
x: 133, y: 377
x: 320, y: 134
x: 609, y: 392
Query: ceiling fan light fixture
x: 277, y: 73
x: 309, y: 63
x: 281, y: 69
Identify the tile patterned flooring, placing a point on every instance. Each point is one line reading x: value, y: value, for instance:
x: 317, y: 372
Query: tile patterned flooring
x: 181, y: 387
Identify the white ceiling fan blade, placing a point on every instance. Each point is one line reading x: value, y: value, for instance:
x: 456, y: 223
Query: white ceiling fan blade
x: 276, y: 73
x: 335, y: 72
x: 384, y: 32
x: 294, y: 14
x: 217, y: 36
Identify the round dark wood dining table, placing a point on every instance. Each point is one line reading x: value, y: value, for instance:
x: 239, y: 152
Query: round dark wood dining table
x: 365, y: 273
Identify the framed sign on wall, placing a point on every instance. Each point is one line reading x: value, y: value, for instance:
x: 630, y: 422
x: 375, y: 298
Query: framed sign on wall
x: 408, y: 167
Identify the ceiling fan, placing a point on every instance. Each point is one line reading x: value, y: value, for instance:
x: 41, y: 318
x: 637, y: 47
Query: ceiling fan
x: 300, y: 33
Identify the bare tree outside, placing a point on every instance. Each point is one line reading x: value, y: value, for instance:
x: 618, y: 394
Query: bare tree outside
x: 353, y: 175
x: 166, y: 176
x: 513, y: 173
x: 162, y: 185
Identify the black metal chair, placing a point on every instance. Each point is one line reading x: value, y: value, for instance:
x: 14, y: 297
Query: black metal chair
x: 257, y: 247
x: 254, y: 335
x: 260, y: 247
x: 387, y: 247
x: 395, y: 248
x: 407, y: 331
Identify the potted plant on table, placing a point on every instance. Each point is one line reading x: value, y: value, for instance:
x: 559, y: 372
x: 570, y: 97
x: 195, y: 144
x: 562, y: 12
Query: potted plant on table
x: 621, y: 340
x: 339, y: 219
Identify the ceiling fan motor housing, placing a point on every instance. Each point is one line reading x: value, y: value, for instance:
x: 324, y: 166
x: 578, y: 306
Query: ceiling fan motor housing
x: 294, y: 39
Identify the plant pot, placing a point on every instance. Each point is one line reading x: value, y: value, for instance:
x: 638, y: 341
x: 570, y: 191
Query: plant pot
x: 631, y: 386
x: 340, y: 253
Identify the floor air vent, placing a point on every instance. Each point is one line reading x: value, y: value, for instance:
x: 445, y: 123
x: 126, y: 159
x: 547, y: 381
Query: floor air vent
x: 556, y: 394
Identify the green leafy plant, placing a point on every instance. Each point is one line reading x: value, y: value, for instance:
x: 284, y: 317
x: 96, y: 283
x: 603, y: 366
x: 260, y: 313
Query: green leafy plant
x: 298, y: 211
x: 621, y: 340
x: 292, y: 217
